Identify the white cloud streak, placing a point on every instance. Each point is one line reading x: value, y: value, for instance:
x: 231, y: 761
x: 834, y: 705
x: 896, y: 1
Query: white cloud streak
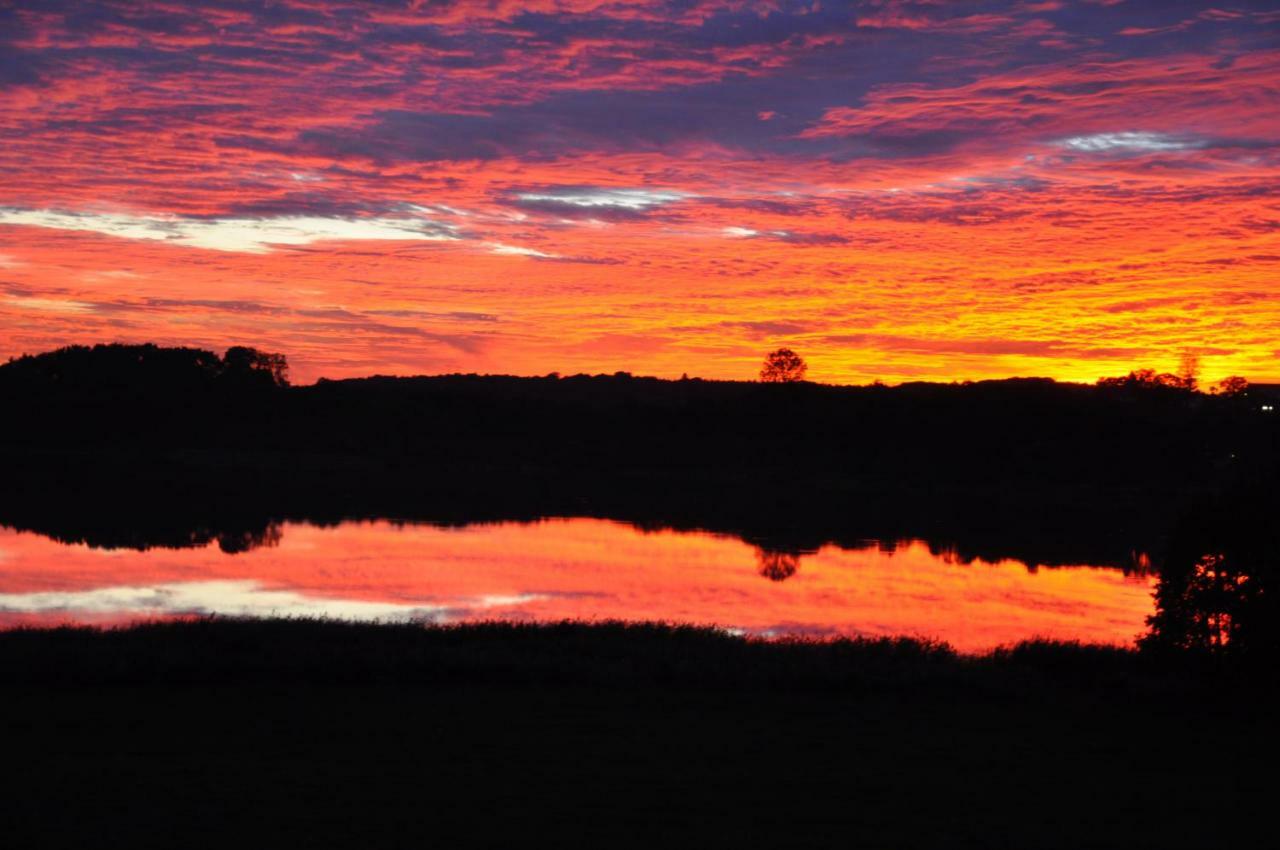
x: 518, y: 251
x: 621, y: 199
x: 52, y: 305
x: 239, y: 599
x: 244, y: 235
x: 1129, y: 142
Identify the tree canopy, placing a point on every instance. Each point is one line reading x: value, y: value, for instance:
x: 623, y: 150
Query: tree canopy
x: 783, y: 366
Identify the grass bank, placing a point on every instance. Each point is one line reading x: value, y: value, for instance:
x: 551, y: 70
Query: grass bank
x: 322, y: 734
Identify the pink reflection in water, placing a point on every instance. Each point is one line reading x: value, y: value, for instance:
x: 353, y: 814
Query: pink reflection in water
x: 578, y: 569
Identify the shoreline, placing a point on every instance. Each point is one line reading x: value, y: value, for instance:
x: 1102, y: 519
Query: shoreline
x: 617, y: 653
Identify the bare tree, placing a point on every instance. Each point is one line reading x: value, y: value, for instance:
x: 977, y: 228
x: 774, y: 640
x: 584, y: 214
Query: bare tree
x: 783, y: 366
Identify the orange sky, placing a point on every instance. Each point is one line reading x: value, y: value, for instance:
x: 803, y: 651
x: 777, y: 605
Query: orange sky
x: 896, y: 190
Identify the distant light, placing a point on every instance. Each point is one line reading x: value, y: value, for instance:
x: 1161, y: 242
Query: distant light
x: 1267, y: 408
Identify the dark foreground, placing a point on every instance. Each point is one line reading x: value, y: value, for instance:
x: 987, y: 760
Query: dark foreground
x: 309, y: 734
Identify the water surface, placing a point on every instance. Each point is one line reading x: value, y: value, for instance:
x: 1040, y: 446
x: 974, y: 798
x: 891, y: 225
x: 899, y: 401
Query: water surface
x: 574, y: 568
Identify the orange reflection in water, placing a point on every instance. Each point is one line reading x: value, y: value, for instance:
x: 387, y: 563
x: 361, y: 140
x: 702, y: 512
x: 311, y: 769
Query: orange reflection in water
x: 573, y: 568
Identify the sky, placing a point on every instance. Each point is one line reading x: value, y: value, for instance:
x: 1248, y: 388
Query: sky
x: 896, y: 190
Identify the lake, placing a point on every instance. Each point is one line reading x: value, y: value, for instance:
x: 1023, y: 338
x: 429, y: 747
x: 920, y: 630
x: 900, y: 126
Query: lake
x: 577, y: 568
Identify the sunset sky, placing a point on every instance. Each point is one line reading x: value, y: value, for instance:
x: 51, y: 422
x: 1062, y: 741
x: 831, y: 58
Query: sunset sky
x: 897, y: 190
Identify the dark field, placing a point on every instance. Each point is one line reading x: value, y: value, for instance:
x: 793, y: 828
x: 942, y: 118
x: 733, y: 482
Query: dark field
x: 312, y: 734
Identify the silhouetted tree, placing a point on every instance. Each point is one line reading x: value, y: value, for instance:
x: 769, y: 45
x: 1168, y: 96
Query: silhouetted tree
x: 1218, y: 602
x: 249, y: 365
x: 776, y: 565
x: 1232, y: 387
x: 1143, y: 379
x: 783, y: 366
x: 246, y: 539
x: 1219, y: 590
